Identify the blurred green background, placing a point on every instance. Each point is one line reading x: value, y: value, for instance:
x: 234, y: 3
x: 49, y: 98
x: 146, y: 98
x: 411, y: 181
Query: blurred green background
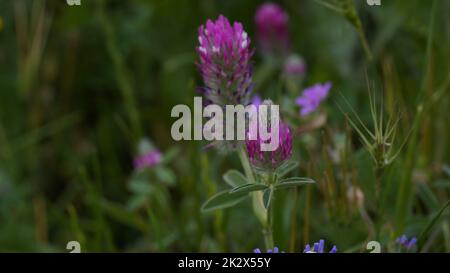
x: 80, y: 86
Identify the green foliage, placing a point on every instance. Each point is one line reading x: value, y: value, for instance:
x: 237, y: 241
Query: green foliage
x: 293, y: 182
x: 82, y: 87
x: 234, y: 178
x: 224, y: 199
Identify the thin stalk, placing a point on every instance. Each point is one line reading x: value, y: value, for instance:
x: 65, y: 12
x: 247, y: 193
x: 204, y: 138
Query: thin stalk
x: 257, y: 196
x: 405, y: 185
x: 307, y: 217
x: 154, y: 224
x: 378, y: 175
x: 293, y: 234
x: 246, y: 165
x: 379, y: 171
x: 363, y: 39
x: 267, y: 231
x: 352, y: 16
x: 268, y: 228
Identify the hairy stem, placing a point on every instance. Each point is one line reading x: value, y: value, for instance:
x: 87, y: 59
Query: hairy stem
x: 257, y: 196
x: 267, y: 231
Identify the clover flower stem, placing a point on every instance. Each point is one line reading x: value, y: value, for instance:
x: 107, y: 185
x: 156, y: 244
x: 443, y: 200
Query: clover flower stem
x: 267, y: 230
x: 246, y: 165
x: 257, y: 196
x: 268, y: 236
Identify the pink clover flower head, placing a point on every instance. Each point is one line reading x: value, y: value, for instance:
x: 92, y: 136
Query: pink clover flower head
x: 225, y: 53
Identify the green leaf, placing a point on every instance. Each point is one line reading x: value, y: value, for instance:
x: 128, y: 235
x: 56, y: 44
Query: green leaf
x: 235, y: 178
x: 222, y: 200
x: 286, y: 168
x: 248, y: 188
x: 433, y: 221
x: 165, y: 175
x: 294, y: 182
x: 267, y: 197
x: 428, y: 197
x: 140, y: 186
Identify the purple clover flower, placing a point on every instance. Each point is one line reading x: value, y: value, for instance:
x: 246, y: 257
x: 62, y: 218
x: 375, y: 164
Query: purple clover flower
x: 270, y: 160
x: 275, y: 250
x: 318, y: 247
x: 147, y: 160
x: 408, y: 244
x: 272, y: 25
x: 312, y: 97
x: 225, y: 53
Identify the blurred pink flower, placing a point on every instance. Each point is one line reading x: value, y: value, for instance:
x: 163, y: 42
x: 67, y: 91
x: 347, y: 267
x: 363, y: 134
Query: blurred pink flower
x: 147, y: 160
x: 272, y: 25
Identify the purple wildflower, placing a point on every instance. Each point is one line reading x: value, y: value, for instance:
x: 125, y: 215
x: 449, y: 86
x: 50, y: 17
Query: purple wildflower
x: 294, y: 66
x: 225, y: 53
x: 318, y: 247
x: 275, y: 250
x: 147, y: 160
x: 408, y: 244
x: 272, y: 24
x: 270, y: 159
x: 312, y: 97
x: 402, y: 240
x: 412, y: 243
